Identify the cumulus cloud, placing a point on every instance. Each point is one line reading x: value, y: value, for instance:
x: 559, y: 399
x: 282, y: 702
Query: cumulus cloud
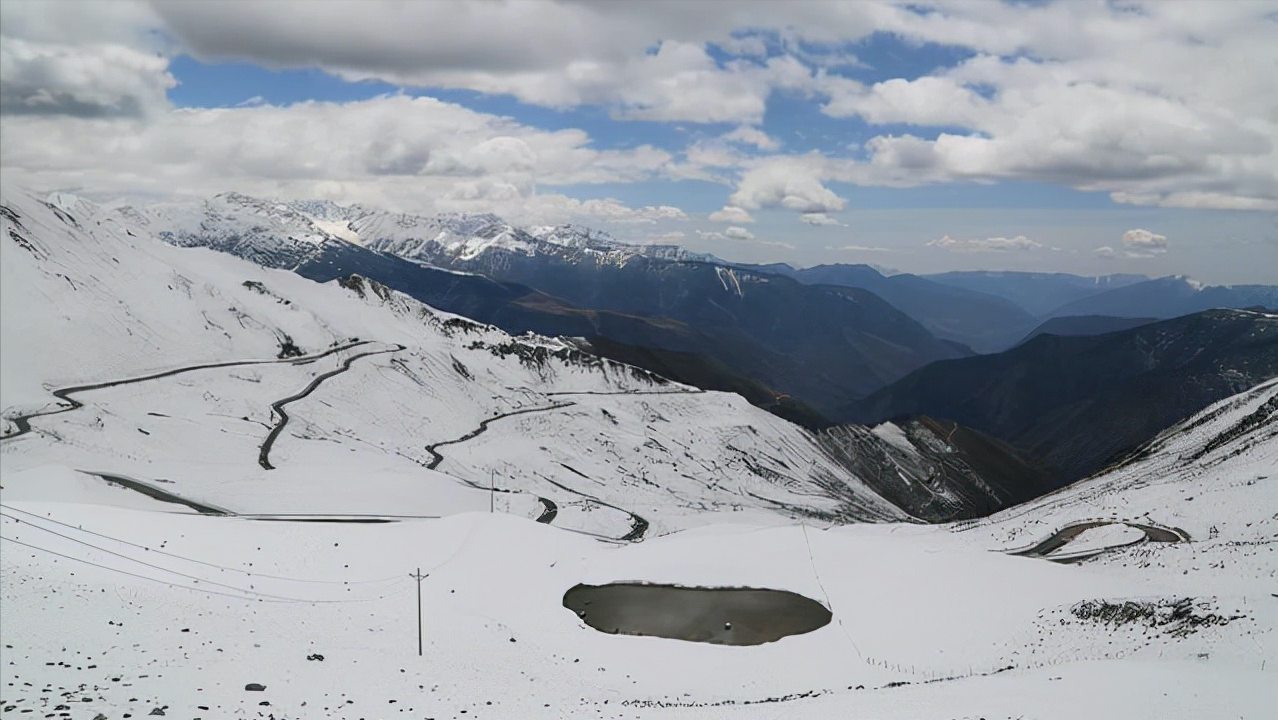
x: 81, y: 80
x: 993, y: 244
x: 746, y: 135
x: 585, y: 52
x: 738, y: 233
x: 731, y: 214
x: 1137, y: 244
x: 818, y: 219
x: 1141, y: 104
x: 929, y: 100
x: 415, y: 154
x: 1140, y: 240
x: 791, y: 183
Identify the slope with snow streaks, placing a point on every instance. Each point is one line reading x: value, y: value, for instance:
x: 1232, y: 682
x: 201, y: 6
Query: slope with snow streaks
x: 368, y: 415
x: 1210, y: 477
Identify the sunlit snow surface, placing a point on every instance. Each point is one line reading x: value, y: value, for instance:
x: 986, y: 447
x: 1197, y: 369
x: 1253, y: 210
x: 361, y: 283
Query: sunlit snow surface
x: 114, y: 601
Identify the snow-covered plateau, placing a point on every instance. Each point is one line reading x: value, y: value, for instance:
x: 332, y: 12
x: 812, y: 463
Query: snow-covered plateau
x: 217, y: 477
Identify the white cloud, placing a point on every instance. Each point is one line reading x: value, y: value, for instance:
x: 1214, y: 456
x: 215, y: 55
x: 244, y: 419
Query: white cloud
x: 1154, y: 103
x: 1144, y: 241
x: 1196, y: 199
x: 818, y: 219
x: 82, y: 80
x: 119, y: 22
x: 789, y: 182
x: 859, y: 248
x: 738, y: 233
x: 1137, y: 244
x: 927, y: 100
x: 1145, y: 102
x: 993, y: 244
x: 746, y: 135
x: 731, y: 214
x: 584, y: 53
x: 416, y: 154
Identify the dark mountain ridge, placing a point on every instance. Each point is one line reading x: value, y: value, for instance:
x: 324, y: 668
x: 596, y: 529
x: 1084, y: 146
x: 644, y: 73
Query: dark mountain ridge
x: 1078, y: 403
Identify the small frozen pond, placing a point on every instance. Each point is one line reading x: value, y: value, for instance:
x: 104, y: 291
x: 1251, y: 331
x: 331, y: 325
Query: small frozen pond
x: 724, y: 616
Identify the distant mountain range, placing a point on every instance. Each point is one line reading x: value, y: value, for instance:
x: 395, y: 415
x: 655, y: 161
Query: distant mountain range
x: 1079, y: 403
x: 981, y: 321
x: 1170, y: 297
x: 1086, y: 325
x: 1039, y: 294
x: 1087, y: 378
x: 822, y: 346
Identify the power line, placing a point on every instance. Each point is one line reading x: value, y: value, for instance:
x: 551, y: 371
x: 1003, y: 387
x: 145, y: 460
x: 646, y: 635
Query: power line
x: 193, y: 560
x: 167, y: 570
x: 164, y: 582
x: 817, y: 576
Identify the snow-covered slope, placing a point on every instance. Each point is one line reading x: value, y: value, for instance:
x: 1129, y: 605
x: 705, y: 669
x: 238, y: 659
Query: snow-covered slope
x: 401, y: 394
x: 159, y: 552
x: 124, y: 609
x: 267, y: 232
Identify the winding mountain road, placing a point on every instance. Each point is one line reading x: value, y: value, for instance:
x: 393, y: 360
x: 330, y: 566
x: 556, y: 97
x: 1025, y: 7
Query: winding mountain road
x: 264, y: 453
x: 638, y: 524
x: 1063, y: 536
x: 23, y: 422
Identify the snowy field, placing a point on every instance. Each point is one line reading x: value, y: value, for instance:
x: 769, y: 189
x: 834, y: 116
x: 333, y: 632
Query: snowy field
x: 159, y: 552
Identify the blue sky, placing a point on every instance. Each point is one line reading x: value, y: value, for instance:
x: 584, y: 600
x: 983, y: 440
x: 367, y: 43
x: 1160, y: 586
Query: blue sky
x: 1077, y: 136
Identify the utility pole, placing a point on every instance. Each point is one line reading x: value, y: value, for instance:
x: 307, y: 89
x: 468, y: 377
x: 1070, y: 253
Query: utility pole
x: 419, y: 577
x: 492, y: 491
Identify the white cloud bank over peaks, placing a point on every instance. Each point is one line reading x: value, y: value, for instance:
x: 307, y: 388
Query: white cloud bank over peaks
x: 419, y: 154
x: 993, y: 244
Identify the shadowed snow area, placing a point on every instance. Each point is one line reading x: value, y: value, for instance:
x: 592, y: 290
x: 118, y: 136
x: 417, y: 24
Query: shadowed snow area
x: 141, y: 385
x: 723, y: 616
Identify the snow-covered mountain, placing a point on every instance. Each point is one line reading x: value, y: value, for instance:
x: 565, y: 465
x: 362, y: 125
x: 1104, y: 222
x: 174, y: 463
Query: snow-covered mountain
x: 819, y: 347
x: 270, y: 233
x: 161, y: 554
x: 452, y: 240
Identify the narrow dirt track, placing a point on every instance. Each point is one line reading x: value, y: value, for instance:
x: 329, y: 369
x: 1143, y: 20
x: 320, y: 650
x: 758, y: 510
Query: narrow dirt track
x: 264, y: 453
x: 23, y: 422
x: 1063, y: 536
x: 638, y: 525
